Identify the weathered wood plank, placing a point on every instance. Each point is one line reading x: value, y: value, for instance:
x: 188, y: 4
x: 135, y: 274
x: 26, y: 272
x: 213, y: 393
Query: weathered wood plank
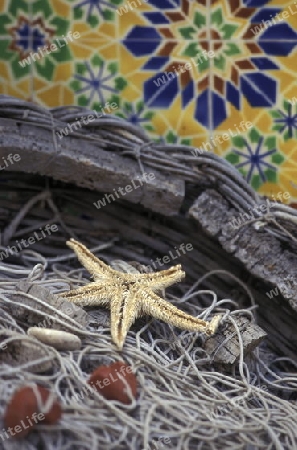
x: 89, y: 165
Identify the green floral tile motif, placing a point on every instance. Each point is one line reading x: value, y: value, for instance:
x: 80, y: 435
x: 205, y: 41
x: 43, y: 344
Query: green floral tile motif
x: 16, y: 26
x: 225, y: 30
x: 199, y: 54
x: 219, y: 32
x: 13, y: 60
x: 96, y: 12
x: 15, y: 9
x: 135, y: 113
x: 98, y: 79
x: 190, y: 32
x: 256, y: 157
x: 44, y: 10
x: 228, y: 49
x: 285, y: 120
x: 172, y: 138
x: 222, y: 33
x: 32, y: 27
x: 45, y: 67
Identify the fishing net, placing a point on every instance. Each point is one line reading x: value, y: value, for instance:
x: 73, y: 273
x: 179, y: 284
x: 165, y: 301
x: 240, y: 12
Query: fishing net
x: 186, y: 399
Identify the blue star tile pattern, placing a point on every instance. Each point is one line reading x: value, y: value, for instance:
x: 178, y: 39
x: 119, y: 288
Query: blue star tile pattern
x: 38, y: 39
x: 255, y: 160
x: 286, y: 122
x: 96, y: 84
x: 256, y: 156
x: 95, y: 5
x: 30, y: 35
x: 133, y: 114
x: 23, y: 32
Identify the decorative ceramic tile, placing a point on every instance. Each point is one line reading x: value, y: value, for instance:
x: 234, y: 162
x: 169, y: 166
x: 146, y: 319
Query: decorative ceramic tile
x: 188, y: 71
x: 15, y: 34
x: 259, y: 20
x: 92, y: 19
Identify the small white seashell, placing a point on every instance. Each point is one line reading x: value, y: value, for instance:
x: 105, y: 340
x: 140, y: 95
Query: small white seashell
x: 61, y: 340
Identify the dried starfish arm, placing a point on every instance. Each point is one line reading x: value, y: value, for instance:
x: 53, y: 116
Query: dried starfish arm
x: 93, y: 294
x: 163, y: 310
x: 162, y: 279
x: 97, y: 268
x: 124, y: 311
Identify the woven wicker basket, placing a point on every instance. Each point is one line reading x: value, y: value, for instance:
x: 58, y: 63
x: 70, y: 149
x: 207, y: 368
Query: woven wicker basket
x: 177, y: 195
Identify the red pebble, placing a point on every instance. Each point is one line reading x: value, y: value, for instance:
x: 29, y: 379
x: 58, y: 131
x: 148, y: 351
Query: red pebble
x: 107, y: 381
x: 22, y: 413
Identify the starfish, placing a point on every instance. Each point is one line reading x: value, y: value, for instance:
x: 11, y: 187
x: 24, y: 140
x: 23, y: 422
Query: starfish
x: 129, y: 296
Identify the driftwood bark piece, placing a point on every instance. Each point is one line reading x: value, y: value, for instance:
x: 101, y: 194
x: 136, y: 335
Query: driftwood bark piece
x: 224, y: 345
x: 76, y: 315
x: 263, y: 256
x: 88, y: 165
